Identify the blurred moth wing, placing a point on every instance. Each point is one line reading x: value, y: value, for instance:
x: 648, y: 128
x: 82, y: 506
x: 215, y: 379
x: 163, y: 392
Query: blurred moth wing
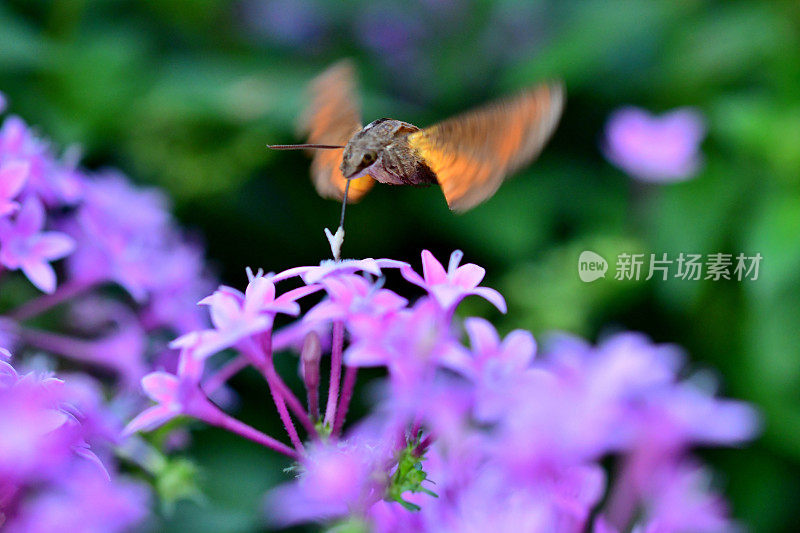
x: 332, y: 118
x: 471, y: 154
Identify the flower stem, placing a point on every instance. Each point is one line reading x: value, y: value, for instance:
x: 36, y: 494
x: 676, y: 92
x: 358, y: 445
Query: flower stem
x: 623, y: 495
x: 228, y: 370
x: 336, y: 371
x: 271, y: 376
x: 350, y: 373
x: 80, y: 350
x: 47, y: 301
x: 277, y: 397
x: 233, y: 425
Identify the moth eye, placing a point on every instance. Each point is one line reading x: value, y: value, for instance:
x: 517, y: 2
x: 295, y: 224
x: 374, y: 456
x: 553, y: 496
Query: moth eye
x: 368, y: 158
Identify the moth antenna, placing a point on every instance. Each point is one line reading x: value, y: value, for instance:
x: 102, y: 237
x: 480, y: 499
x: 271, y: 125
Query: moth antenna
x: 303, y: 146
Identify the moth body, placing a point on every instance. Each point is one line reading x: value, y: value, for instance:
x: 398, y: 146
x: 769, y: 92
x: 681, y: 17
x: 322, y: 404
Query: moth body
x: 381, y: 150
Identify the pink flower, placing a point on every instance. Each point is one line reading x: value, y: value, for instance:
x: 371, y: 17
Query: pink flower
x: 174, y: 396
x: 237, y: 316
x: 495, y: 367
x: 678, y: 498
x: 83, y: 500
x: 451, y: 286
x: 12, y: 178
x: 54, y: 182
x: 336, y: 479
x: 657, y: 149
x: 412, y: 344
x: 24, y: 246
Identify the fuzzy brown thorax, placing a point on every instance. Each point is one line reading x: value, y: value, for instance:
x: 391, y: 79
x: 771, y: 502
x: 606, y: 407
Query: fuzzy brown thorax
x: 381, y: 150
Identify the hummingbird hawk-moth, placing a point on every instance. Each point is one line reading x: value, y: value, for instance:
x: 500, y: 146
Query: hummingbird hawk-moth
x: 468, y: 155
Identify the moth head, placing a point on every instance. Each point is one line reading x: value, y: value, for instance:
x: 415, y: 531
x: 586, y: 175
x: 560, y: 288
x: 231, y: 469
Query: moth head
x: 356, y: 159
x: 364, y: 149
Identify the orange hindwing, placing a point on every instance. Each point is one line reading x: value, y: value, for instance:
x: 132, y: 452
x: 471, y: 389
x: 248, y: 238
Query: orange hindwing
x: 472, y: 153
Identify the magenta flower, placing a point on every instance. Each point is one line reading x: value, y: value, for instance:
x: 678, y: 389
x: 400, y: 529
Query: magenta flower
x: 54, y: 182
x: 678, y: 498
x: 494, y: 366
x: 656, y: 149
x: 83, y: 500
x: 174, y: 396
x: 335, y: 480
x: 237, y: 316
x: 121, y: 233
x: 12, y: 178
x: 23, y: 245
x: 411, y: 343
x: 451, y: 286
x: 48, y: 472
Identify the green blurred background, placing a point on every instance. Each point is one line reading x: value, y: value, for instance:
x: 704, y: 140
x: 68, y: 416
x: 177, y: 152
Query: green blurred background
x: 184, y: 94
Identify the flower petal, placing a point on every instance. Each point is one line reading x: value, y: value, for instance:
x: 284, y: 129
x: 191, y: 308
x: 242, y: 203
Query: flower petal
x: 362, y: 354
x: 13, y: 176
x: 492, y: 296
x: 482, y: 336
x: 161, y: 386
x: 432, y: 270
x: 30, y: 219
x: 41, y: 274
x: 225, y: 310
x: 518, y: 349
x: 324, y: 311
x: 259, y: 293
x: 52, y: 245
x: 468, y: 276
x: 412, y: 277
x: 296, y: 294
x: 150, y: 419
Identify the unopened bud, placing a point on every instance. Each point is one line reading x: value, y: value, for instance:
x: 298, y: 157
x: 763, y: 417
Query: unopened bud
x: 310, y: 356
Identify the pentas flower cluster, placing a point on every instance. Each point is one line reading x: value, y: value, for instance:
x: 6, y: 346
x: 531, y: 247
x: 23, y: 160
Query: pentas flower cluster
x: 98, y: 231
x: 69, y: 241
x: 471, y: 431
x: 50, y: 476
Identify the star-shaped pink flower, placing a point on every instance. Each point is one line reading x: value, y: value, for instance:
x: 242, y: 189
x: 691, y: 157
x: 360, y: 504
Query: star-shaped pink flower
x: 23, y: 245
x: 174, y: 396
x: 449, y: 287
x: 236, y: 315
